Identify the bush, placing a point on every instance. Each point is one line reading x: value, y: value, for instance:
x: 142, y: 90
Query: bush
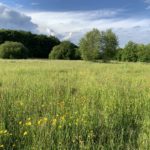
x: 134, y: 52
x: 144, y: 53
x: 66, y: 50
x: 130, y: 52
x: 13, y: 50
x: 119, y: 54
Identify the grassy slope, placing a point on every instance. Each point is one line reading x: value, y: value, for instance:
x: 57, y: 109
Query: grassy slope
x: 74, y: 104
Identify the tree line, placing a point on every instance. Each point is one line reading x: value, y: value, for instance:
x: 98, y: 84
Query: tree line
x: 94, y: 45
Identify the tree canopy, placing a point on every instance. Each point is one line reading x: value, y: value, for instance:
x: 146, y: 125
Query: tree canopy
x: 65, y: 50
x: 39, y: 46
x: 93, y: 45
x: 90, y: 45
x: 96, y: 44
x: 13, y: 50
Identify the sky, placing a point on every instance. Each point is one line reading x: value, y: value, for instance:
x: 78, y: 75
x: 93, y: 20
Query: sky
x: 71, y: 19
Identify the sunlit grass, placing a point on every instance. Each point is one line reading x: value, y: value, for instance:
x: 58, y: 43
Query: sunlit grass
x: 74, y: 105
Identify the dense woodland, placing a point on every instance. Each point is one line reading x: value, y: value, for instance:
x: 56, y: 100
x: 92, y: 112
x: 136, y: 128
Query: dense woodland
x: 95, y: 45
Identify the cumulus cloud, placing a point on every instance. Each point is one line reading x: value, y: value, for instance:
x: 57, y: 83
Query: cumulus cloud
x: 73, y: 25
x: 11, y: 19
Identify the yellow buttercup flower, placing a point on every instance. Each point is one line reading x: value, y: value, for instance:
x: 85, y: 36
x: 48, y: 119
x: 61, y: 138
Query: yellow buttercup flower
x: 25, y: 133
x: 20, y: 122
x: 42, y: 121
x: 29, y: 119
x: 2, y: 146
x: 5, y: 131
x: 60, y: 127
x: 28, y: 123
x: 54, y: 121
x: 63, y: 118
x: 45, y: 119
x: 39, y: 122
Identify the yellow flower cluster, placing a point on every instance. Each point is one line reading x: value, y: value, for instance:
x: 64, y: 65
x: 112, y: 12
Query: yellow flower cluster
x: 54, y: 121
x: 28, y: 123
x: 42, y: 121
x: 25, y: 133
x: 1, y: 146
x: 2, y: 132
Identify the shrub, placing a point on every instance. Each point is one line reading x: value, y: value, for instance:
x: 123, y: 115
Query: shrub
x: 130, y: 52
x: 119, y: 53
x: 13, y: 50
x: 144, y: 53
x: 66, y: 50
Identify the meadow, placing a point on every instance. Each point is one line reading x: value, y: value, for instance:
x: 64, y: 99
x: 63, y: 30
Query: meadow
x: 48, y: 105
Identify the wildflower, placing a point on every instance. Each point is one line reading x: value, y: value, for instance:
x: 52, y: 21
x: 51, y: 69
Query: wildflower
x: 5, y: 131
x: 39, y: 122
x: 14, y: 145
x: 20, y: 122
x: 28, y: 123
x: 2, y: 146
x: 63, y: 118
x: 29, y: 119
x: 45, y: 119
x: 25, y: 133
x: 54, y: 121
x: 42, y: 121
x: 60, y: 127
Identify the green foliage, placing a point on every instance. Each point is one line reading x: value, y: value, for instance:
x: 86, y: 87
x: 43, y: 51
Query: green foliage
x: 118, y: 55
x: 13, y: 50
x: 39, y: 46
x: 134, y: 52
x: 66, y: 50
x: 130, y: 52
x: 90, y: 45
x: 109, y: 44
x: 144, y: 53
x: 98, y: 44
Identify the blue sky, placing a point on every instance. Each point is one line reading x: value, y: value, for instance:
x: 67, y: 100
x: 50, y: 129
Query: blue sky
x: 65, y: 5
x: 71, y: 19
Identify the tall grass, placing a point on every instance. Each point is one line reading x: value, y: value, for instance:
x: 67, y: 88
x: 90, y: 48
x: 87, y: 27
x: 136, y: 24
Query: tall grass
x: 74, y: 105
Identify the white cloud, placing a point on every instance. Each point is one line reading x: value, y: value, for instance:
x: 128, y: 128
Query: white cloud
x: 11, y: 19
x: 73, y: 25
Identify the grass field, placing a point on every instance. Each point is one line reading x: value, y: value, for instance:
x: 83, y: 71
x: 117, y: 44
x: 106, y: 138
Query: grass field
x: 48, y: 105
